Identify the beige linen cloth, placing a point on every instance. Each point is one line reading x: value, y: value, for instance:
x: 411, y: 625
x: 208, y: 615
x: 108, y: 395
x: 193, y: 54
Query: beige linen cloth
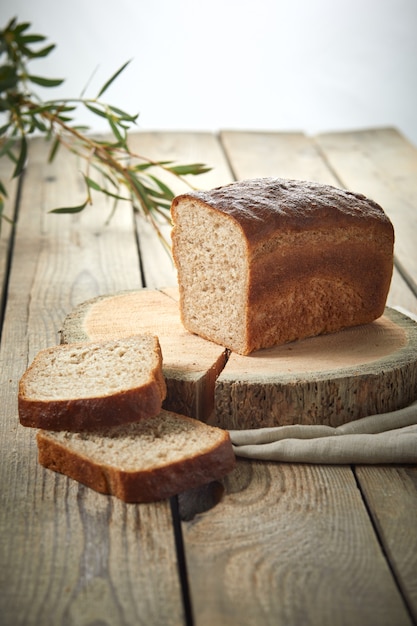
x: 377, y: 439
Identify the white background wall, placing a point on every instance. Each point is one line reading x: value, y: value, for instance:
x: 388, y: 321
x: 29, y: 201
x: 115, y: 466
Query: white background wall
x: 312, y: 65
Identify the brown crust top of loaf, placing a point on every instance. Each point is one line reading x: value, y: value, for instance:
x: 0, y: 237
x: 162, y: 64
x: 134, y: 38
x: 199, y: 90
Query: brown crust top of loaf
x: 261, y: 205
x: 159, y: 482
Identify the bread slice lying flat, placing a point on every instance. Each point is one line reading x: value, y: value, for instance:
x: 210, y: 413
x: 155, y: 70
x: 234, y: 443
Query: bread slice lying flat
x: 86, y: 386
x: 141, y: 462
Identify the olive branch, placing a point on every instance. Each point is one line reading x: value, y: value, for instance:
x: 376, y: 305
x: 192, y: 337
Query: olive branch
x: 110, y: 166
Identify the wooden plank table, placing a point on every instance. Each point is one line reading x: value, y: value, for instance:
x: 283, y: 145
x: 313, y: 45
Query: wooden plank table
x: 281, y: 544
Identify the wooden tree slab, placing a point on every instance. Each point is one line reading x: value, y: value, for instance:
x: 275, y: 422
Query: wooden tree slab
x: 191, y: 364
x: 331, y: 379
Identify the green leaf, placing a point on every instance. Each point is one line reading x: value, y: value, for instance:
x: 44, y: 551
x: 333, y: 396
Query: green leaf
x: 45, y: 82
x: 54, y: 150
x: 7, y: 146
x: 123, y: 115
x: 147, y: 204
x: 4, y: 129
x: 139, y: 167
x: 154, y: 193
x: 92, y: 183
x: 39, y: 124
x: 168, y: 193
x: 81, y: 128
x: 30, y: 38
x: 107, y: 176
x: 109, y: 82
x: 21, y: 161
x: 8, y: 77
x: 20, y: 28
x: 43, y: 52
x: 71, y: 209
x: 54, y: 107
x: 112, y: 195
x: 95, y: 110
x: 26, y: 51
x: 2, y: 215
x: 3, y: 189
x: 192, y: 168
x: 64, y: 118
x: 166, y: 206
x: 116, y: 132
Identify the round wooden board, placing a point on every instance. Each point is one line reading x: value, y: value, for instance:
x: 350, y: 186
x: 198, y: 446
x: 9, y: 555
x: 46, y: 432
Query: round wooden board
x: 330, y: 379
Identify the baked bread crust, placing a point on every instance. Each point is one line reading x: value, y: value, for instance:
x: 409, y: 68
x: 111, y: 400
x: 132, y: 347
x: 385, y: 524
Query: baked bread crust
x: 76, y: 411
x: 316, y: 259
x: 199, y: 464
x: 263, y: 206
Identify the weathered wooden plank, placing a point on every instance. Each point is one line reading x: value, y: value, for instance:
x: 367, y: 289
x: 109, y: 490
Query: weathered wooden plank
x: 61, y: 260
x: 179, y: 147
x: 391, y: 495
x: 289, y: 545
x: 286, y: 155
x: 382, y: 164
x: 6, y: 227
x: 401, y: 295
x: 67, y: 554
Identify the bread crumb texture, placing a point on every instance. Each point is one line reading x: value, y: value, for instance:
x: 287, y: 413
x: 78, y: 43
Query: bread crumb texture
x: 90, y: 369
x: 165, y: 439
x: 213, y: 271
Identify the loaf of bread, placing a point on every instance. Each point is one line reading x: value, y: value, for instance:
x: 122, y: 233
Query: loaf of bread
x: 144, y: 461
x: 86, y: 386
x: 268, y: 261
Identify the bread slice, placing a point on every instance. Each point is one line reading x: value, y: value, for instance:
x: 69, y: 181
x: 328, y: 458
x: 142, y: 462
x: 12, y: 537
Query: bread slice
x: 267, y: 261
x: 141, y: 462
x: 86, y: 386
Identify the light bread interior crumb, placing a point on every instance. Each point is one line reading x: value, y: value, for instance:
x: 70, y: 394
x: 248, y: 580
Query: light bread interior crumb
x: 81, y: 371
x: 159, y: 440
x: 212, y: 272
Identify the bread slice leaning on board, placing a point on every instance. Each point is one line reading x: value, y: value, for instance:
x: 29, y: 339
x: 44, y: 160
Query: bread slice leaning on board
x: 267, y: 261
x: 145, y: 461
x: 85, y: 386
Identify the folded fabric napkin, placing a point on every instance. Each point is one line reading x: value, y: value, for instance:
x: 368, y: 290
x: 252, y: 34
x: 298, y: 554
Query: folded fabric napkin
x: 385, y: 438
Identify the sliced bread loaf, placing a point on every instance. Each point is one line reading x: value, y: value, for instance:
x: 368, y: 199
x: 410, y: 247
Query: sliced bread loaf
x: 267, y: 261
x: 86, y: 386
x: 144, y: 461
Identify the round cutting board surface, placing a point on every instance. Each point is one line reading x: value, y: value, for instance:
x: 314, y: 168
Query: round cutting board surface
x: 331, y: 379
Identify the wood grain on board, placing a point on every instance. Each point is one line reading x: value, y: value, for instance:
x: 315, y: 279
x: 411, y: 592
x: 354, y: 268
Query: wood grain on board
x: 190, y: 364
x: 331, y: 379
x: 391, y: 497
x: 68, y: 555
x: 290, y: 544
